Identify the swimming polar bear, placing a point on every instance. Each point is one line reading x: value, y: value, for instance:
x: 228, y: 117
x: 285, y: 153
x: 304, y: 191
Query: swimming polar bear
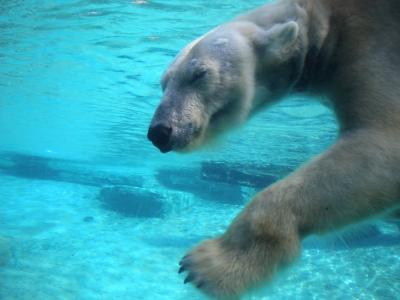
x: 346, y: 50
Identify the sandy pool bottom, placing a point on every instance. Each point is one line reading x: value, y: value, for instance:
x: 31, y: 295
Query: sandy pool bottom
x: 64, y: 245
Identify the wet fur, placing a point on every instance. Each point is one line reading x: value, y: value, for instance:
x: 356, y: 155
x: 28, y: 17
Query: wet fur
x: 348, y: 51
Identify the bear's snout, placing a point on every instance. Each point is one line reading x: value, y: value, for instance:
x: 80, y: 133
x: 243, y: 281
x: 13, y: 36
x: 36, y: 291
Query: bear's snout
x: 160, y: 136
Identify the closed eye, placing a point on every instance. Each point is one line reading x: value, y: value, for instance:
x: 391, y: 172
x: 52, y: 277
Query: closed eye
x: 198, y: 74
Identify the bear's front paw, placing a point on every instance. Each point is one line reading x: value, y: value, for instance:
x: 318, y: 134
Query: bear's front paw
x: 222, y: 270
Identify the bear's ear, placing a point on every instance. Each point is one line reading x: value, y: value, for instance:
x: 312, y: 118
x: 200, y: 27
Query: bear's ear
x: 278, y: 42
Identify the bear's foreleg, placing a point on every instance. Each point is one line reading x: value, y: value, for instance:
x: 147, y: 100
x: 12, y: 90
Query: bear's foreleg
x: 355, y: 179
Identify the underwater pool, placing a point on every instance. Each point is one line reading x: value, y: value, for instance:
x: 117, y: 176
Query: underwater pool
x: 91, y: 210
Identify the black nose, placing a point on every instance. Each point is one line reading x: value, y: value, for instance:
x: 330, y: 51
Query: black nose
x: 160, y: 136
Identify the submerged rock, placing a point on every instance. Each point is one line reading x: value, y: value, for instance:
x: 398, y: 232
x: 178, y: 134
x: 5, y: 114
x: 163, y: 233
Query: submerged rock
x: 394, y: 218
x: 190, y: 180
x: 242, y: 174
x: 88, y: 219
x: 5, y: 251
x: 132, y: 202
x: 360, y: 236
x: 221, y: 181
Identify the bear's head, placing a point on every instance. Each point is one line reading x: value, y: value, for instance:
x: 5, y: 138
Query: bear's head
x: 219, y: 80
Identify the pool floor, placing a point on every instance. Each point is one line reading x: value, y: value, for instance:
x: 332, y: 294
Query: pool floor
x: 63, y: 244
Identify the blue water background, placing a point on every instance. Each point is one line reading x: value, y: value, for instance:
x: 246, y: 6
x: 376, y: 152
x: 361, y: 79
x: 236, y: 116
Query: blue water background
x: 79, y: 81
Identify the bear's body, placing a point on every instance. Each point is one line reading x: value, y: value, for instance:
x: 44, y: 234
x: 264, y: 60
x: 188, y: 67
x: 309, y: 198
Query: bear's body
x: 347, y: 50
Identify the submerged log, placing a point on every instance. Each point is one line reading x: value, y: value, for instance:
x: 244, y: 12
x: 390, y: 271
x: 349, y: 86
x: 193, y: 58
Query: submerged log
x: 47, y: 168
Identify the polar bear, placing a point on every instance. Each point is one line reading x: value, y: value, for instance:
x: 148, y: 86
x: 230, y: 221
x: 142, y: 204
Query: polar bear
x: 346, y: 50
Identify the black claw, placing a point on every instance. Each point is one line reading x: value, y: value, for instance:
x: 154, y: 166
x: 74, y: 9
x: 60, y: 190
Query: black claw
x: 184, y: 258
x: 181, y: 269
x: 184, y: 261
x: 189, y: 278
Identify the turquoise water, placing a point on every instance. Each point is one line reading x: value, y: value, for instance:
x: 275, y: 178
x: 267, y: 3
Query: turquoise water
x: 91, y: 210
